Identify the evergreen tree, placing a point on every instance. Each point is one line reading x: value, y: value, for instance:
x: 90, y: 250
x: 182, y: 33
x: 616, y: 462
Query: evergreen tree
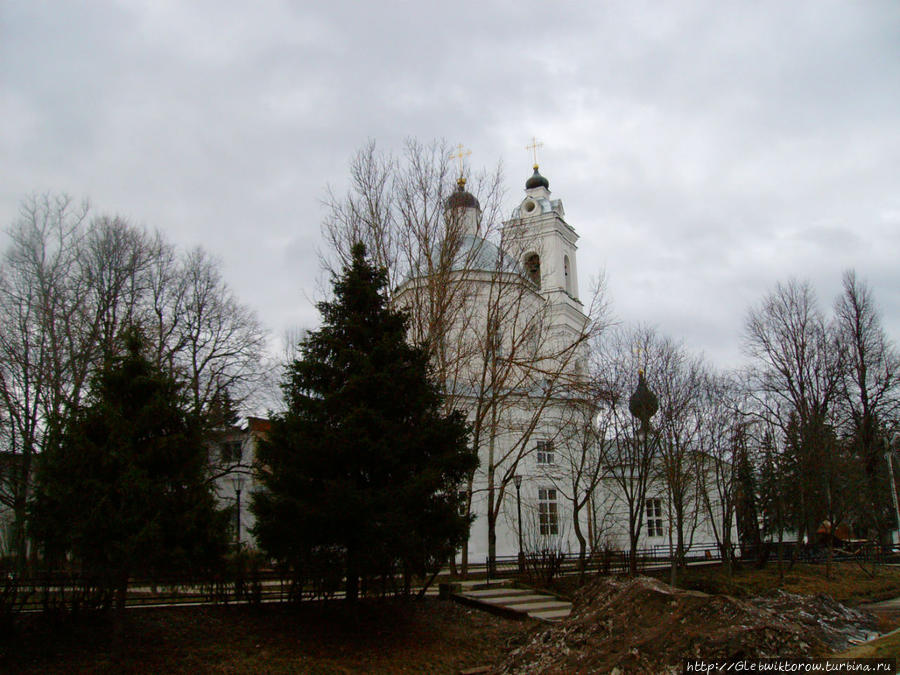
x: 124, y: 491
x: 746, y: 502
x: 362, y: 468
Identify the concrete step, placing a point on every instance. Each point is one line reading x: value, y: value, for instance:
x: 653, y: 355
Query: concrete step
x: 543, y: 605
x: 514, y: 600
x: 495, y: 593
x: 517, y: 602
x: 551, y: 615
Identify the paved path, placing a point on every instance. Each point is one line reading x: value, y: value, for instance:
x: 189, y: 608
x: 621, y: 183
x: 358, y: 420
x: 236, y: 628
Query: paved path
x: 509, y: 600
x: 892, y: 605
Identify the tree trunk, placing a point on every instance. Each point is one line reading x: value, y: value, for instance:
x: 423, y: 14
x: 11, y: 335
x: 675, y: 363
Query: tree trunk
x: 673, y: 559
x: 118, y: 632
x: 780, y: 556
x: 632, y: 558
x: 464, y: 556
x: 582, y: 543
x: 491, y: 520
x: 21, y: 542
x: 492, y: 541
x: 592, y: 534
x: 351, y: 589
x: 20, y: 510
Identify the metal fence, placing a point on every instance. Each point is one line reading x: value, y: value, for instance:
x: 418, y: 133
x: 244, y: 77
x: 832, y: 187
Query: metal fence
x: 659, y: 557
x: 68, y: 592
x: 65, y: 592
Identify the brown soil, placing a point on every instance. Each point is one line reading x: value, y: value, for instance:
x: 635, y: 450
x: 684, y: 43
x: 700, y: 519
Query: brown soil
x: 428, y: 636
x: 638, y: 626
x: 643, y: 625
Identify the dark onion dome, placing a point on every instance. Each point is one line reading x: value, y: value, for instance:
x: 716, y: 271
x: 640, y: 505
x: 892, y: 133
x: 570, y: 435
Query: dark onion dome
x: 462, y: 198
x: 536, y: 180
x: 643, y: 403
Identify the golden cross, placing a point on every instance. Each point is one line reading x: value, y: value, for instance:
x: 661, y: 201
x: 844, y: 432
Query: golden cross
x: 534, y: 148
x: 461, y: 153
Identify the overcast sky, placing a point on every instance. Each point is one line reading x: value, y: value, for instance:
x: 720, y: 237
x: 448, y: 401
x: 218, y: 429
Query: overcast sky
x: 703, y: 150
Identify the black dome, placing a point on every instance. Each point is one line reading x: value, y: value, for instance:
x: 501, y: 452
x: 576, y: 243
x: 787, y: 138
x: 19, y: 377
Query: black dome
x: 462, y: 198
x: 536, y: 180
x: 643, y: 403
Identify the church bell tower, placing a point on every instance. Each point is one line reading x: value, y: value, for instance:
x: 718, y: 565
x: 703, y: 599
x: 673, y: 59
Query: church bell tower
x: 546, y: 244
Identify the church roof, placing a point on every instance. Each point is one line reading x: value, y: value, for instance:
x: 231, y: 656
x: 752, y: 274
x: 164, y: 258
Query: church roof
x: 478, y: 254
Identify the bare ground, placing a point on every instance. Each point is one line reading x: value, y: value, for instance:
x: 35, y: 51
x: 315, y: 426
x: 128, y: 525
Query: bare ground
x: 643, y: 625
x: 428, y: 636
x: 635, y: 626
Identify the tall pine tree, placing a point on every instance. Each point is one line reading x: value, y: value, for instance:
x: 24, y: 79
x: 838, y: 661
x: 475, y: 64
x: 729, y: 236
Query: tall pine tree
x: 124, y: 492
x: 362, y: 468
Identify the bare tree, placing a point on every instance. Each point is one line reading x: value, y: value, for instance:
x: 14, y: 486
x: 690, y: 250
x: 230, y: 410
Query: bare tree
x: 578, y: 468
x: 629, y: 452
x: 221, y: 341
x: 37, y: 303
x: 458, y: 272
x: 679, y: 380
x: 68, y: 287
x: 870, y: 395
x: 723, y: 436
x: 794, y: 381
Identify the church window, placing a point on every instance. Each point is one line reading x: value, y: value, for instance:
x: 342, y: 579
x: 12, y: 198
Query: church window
x: 548, y: 517
x: 568, y: 276
x: 231, y: 451
x: 654, y: 517
x: 545, y: 454
x: 533, y: 269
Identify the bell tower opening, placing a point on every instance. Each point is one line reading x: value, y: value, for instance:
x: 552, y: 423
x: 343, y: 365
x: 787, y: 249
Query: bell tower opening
x: 533, y: 269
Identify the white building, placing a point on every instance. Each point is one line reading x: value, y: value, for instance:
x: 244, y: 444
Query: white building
x: 701, y: 503
x: 232, y: 463
x: 504, y: 306
x: 502, y: 311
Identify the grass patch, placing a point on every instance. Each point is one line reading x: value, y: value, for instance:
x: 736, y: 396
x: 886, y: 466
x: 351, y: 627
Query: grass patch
x: 887, y: 646
x: 849, y: 583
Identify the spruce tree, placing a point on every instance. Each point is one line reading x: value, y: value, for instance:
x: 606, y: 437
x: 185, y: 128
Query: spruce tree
x: 362, y: 469
x: 124, y: 492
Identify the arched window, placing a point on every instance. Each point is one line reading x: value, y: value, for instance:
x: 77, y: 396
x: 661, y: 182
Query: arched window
x: 533, y: 269
x: 568, y: 275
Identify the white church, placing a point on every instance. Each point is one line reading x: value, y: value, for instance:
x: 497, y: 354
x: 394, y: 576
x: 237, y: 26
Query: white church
x: 500, y: 305
x: 514, y: 350
x: 513, y: 355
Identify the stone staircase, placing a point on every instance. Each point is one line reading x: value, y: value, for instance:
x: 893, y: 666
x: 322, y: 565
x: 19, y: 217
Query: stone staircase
x: 513, y: 602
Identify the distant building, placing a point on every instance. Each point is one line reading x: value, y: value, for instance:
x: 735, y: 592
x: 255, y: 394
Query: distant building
x: 702, y: 510
x: 232, y: 463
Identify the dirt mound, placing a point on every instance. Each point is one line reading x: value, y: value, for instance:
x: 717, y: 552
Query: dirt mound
x: 644, y: 625
x: 837, y: 625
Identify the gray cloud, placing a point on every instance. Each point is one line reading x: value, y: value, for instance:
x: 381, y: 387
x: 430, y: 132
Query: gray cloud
x: 704, y: 150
